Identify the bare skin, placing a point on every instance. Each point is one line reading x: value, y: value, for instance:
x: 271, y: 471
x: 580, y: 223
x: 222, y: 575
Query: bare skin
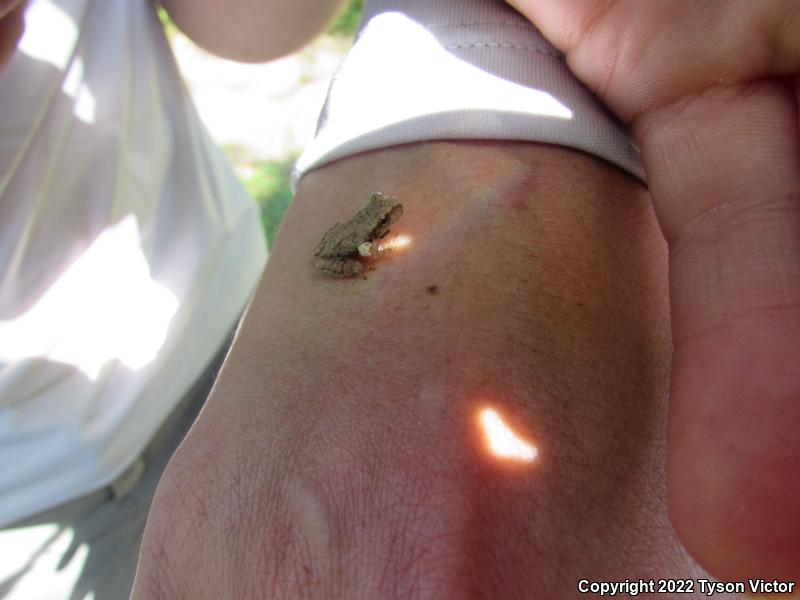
x: 251, y: 30
x: 12, y: 26
x: 708, y: 88
x: 712, y: 90
x: 243, y: 30
x: 339, y: 455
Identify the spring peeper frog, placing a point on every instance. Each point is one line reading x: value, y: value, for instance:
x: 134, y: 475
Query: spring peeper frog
x: 337, y: 254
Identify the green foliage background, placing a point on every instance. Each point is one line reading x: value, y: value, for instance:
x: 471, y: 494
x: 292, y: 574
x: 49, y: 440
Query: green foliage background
x: 346, y: 22
x: 270, y: 184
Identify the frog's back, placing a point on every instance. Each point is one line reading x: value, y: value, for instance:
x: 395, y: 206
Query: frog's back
x: 338, y: 241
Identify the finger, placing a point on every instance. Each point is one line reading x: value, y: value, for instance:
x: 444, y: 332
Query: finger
x: 724, y: 172
x: 724, y: 176
x: 642, y: 55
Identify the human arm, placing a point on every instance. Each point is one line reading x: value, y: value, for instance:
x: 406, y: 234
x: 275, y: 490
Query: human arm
x: 339, y: 454
x: 712, y: 92
x: 246, y: 30
x: 251, y: 30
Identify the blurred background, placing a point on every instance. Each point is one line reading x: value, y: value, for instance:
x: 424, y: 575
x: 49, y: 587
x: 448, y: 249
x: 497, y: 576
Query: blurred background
x: 264, y: 115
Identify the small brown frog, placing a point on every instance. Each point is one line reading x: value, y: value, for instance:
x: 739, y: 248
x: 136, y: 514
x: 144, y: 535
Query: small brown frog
x: 337, y: 254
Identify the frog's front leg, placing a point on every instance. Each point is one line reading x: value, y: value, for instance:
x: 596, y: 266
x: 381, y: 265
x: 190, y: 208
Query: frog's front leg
x: 340, y: 267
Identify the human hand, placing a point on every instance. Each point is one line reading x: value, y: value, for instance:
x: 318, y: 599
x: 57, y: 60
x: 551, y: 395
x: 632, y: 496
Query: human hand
x: 340, y: 454
x: 711, y: 90
x: 12, y: 26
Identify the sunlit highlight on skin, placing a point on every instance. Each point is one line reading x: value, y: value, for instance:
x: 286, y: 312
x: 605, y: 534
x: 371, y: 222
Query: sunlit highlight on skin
x: 399, y: 242
x: 502, y: 441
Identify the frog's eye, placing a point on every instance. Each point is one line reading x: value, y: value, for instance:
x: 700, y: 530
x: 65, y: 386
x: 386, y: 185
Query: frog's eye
x: 384, y: 220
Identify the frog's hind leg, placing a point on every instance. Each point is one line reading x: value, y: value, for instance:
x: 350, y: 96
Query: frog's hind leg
x: 338, y: 267
x: 322, y: 243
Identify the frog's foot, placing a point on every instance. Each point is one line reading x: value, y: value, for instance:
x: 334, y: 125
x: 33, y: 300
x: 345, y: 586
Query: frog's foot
x: 339, y: 267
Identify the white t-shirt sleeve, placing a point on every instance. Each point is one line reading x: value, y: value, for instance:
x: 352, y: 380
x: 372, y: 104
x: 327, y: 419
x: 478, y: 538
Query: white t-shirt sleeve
x: 467, y: 69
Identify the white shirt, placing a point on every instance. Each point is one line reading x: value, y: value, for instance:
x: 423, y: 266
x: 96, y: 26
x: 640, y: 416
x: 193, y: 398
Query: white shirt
x: 459, y: 69
x: 128, y: 249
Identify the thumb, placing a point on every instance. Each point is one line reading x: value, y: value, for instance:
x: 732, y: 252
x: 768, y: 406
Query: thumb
x: 722, y: 155
x: 723, y: 169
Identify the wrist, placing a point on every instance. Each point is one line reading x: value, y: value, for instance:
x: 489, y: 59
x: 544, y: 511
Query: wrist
x: 535, y: 279
x: 356, y: 401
